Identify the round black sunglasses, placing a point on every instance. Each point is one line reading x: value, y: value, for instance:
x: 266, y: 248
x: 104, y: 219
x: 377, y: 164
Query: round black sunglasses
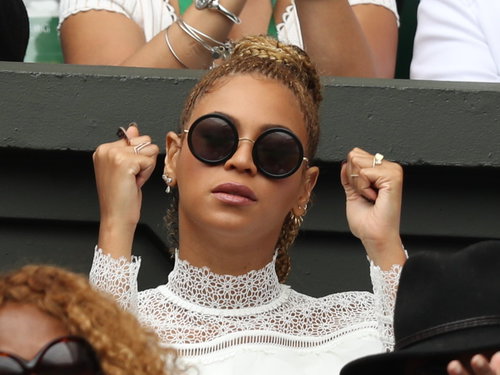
x: 277, y: 152
x: 68, y: 355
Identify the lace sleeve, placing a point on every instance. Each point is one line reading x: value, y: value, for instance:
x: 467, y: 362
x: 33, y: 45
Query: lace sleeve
x: 117, y: 277
x: 385, y: 286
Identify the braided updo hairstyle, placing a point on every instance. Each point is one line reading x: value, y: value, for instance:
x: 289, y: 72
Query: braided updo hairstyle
x: 287, y: 64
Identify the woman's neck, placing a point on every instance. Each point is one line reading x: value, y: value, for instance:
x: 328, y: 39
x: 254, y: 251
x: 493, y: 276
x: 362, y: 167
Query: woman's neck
x: 225, y: 253
x: 202, y: 287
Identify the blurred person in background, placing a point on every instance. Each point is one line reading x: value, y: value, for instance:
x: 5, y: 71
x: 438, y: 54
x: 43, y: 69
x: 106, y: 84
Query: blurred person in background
x: 344, y: 38
x: 14, y: 30
x: 47, y: 312
x: 447, y: 316
x: 457, y: 40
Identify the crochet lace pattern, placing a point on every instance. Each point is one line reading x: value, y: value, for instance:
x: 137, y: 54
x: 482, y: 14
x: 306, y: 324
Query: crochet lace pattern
x: 200, y: 312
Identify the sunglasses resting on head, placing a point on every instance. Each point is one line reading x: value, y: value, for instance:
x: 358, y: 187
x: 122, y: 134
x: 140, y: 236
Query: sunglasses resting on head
x: 68, y: 355
x: 277, y: 152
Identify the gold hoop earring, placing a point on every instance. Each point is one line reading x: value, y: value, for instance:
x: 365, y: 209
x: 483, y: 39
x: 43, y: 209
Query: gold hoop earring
x: 297, y: 220
x: 303, y: 209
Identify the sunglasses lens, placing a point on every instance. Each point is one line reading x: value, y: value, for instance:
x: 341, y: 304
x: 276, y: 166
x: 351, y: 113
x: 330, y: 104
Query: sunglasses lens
x: 212, y: 139
x: 277, y: 153
x: 68, y: 357
x: 9, y: 366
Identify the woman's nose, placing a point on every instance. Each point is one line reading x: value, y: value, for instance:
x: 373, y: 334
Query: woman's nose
x: 242, y: 159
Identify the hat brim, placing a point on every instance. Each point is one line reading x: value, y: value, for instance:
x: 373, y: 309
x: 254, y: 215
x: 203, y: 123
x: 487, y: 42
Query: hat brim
x: 439, y: 350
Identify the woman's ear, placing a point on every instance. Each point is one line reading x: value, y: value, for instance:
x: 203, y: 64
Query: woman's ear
x: 173, y: 147
x: 310, y: 179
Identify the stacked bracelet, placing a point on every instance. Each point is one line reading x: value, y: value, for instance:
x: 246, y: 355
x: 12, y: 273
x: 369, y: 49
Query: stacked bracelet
x: 220, y: 50
x: 171, y: 49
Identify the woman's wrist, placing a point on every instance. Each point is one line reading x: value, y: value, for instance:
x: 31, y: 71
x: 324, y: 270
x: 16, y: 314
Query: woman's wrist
x: 116, y: 238
x: 385, y: 253
x: 211, y: 29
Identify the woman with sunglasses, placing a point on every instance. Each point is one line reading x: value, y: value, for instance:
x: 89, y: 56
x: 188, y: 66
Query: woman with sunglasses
x: 241, y: 175
x: 53, y: 322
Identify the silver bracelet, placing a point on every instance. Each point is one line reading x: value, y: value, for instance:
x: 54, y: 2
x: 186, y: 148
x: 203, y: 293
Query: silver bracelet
x: 221, y: 50
x: 214, y: 4
x: 198, y: 32
x: 172, y: 50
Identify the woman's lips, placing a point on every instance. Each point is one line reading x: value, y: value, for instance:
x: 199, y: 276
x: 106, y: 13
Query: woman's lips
x: 233, y: 193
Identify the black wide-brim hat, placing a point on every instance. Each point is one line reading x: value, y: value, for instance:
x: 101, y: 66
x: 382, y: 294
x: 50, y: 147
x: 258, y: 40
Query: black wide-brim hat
x: 447, y: 306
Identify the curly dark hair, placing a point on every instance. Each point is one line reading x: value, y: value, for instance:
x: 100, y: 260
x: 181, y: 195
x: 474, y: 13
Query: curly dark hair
x: 123, y: 346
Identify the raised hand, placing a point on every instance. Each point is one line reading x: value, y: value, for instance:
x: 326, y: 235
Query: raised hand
x: 121, y: 169
x: 373, y: 188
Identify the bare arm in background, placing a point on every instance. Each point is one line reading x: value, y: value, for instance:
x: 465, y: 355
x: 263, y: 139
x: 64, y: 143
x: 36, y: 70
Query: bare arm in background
x: 355, y: 41
x: 358, y: 41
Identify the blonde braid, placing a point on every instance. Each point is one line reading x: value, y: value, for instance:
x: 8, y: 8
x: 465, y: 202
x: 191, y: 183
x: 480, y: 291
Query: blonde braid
x: 288, y: 234
x: 255, y: 46
x: 171, y: 220
x: 294, y: 58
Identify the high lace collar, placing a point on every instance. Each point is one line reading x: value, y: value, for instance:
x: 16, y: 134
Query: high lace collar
x: 202, y: 287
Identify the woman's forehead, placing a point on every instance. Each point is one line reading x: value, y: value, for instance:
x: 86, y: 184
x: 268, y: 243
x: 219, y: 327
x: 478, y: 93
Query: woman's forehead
x: 252, y: 100
x: 25, y: 329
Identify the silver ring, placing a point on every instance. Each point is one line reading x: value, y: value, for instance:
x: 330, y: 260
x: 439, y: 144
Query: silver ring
x: 377, y: 159
x: 122, y: 134
x: 214, y: 4
x: 140, y: 146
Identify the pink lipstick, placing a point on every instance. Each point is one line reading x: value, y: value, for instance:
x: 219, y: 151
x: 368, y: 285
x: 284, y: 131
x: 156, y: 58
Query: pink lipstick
x: 235, y: 194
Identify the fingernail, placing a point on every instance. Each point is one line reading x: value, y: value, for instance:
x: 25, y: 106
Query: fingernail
x: 343, y: 162
x: 134, y: 124
x: 455, y: 367
x: 480, y: 361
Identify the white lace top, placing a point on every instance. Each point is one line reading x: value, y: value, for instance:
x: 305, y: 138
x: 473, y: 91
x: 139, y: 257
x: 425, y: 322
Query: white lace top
x: 154, y: 16
x: 252, y: 324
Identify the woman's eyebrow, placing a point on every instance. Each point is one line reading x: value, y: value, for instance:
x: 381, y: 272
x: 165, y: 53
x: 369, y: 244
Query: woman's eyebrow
x: 262, y: 127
